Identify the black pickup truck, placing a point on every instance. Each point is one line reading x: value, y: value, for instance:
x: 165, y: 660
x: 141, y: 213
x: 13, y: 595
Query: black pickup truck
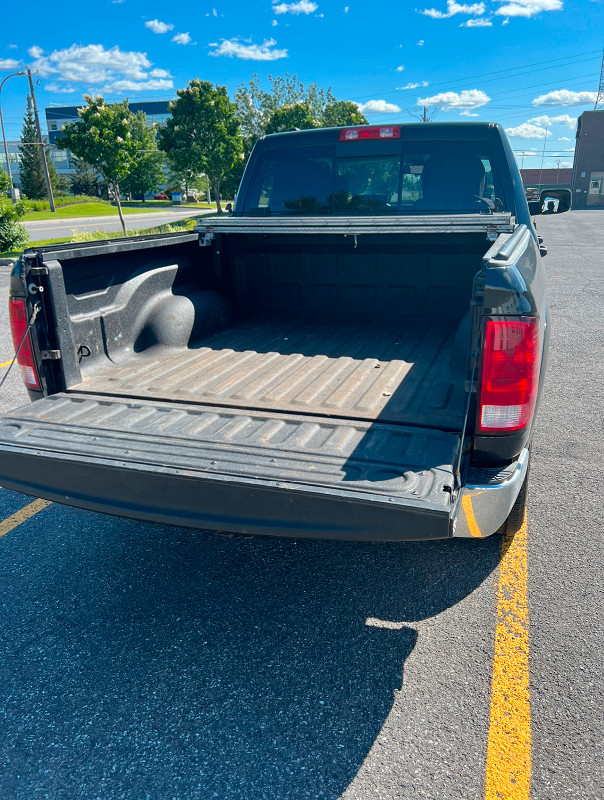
x: 356, y: 352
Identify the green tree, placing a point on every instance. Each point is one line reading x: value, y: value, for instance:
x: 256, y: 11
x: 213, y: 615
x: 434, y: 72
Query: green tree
x: 12, y: 234
x: 31, y: 168
x: 148, y: 173
x: 202, y: 135
x: 300, y: 115
x: 103, y: 139
x: 256, y: 106
x: 342, y: 112
x: 85, y: 179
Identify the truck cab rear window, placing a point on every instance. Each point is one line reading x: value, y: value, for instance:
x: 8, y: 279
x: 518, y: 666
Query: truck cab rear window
x: 422, y: 177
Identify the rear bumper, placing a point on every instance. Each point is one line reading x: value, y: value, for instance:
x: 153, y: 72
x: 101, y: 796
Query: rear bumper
x: 483, y: 507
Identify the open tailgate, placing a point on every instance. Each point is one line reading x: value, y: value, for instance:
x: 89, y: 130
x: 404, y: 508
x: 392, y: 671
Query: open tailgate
x: 232, y: 470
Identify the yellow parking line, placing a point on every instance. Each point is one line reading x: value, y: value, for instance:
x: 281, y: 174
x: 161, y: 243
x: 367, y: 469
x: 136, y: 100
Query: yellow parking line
x: 22, y: 515
x: 6, y: 363
x: 508, y: 770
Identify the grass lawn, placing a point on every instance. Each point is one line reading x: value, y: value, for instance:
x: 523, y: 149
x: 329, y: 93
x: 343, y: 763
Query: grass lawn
x: 171, y: 227
x: 96, y: 210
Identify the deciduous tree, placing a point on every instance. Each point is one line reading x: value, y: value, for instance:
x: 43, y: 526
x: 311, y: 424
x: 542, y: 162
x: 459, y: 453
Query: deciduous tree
x: 103, y: 139
x: 148, y: 173
x: 202, y: 134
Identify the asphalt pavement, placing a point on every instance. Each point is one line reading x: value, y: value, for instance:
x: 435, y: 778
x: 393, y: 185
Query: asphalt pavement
x: 145, y: 661
x: 58, y: 228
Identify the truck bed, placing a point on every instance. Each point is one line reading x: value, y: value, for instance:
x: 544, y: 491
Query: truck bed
x: 405, y: 371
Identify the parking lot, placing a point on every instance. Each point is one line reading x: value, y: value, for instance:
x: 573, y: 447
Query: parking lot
x: 145, y: 661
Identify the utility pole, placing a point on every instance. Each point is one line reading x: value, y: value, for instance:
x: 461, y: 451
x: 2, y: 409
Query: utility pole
x: 51, y: 200
x: 557, y: 170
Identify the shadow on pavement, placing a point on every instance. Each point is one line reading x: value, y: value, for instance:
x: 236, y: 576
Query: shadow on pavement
x: 147, y: 661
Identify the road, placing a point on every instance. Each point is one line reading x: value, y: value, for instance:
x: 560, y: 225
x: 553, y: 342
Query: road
x: 144, y: 661
x: 55, y: 229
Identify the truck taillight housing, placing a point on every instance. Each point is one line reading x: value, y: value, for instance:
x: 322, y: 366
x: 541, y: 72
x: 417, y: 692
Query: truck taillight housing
x: 370, y: 132
x: 17, y: 312
x: 510, y: 374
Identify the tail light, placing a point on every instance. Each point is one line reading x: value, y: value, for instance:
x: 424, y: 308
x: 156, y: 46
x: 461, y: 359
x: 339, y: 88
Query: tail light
x: 510, y: 374
x: 17, y: 312
x: 370, y: 132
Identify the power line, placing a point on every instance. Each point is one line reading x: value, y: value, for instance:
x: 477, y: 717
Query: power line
x: 500, y: 72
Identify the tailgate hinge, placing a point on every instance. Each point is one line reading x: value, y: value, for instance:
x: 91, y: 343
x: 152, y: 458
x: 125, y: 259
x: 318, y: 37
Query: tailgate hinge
x: 50, y: 355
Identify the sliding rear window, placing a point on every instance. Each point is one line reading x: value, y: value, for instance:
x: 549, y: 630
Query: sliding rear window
x: 373, y: 178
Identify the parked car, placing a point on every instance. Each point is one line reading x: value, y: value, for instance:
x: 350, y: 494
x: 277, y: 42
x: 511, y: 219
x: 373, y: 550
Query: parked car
x: 355, y: 353
x: 161, y: 196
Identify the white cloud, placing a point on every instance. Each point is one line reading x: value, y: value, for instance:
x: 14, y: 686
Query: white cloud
x: 505, y: 21
x: 468, y: 114
x: 528, y: 8
x: 35, y: 51
x: 473, y: 9
x: 526, y: 154
x: 249, y: 52
x: 477, y: 23
x: 183, y: 38
x: 526, y: 131
x: 564, y: 97
x: 56, y: 88
x: 95, y: 66
x: 301, y: 7
x: 563, y: 119
x: 400, y: 69
x: 346, y: 9
x: 464, y: 100
x: 378, y: 107
x: 12, y: 46
x: 138, y: 86
x: 214, y: 12
x: 564, y: 139
x: 8, y: 63
x: 423, y: 84
x: 274, y: 23
x: 420, y: 43
x: 158, y: 27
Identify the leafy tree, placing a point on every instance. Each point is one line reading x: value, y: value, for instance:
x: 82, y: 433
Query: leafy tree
x: 342, y: 112
x: 85, y: 180
x: 31, y: 169
x: 255, y: 106
x: 148, y: 173
x: 12, y: 234
x: 299, y: 116
x: 103, y: 138
x: 202, y: 135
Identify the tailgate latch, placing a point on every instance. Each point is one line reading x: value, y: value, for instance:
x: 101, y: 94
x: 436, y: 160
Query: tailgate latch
x: 50, y: 355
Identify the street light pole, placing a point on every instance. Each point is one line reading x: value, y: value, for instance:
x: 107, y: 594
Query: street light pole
x: 51, y: 200
x: 10, y: 177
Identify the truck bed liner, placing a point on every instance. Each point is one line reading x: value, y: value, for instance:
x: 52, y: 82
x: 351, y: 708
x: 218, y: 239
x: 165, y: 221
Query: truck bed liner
x: 399, y: 372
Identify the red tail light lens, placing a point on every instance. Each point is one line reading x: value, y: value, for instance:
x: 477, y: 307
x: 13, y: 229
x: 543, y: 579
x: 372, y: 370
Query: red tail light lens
x: 17, y: 313
x: 510, y: 374
x: 370, y: 132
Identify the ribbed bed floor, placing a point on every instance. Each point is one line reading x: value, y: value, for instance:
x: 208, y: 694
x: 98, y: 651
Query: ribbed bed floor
x: 394, y: 371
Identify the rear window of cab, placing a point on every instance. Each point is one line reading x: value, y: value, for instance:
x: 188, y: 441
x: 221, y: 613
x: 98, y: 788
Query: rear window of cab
x: 375, y: 177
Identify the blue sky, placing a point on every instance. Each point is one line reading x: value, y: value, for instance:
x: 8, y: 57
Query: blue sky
x: 532, y: 65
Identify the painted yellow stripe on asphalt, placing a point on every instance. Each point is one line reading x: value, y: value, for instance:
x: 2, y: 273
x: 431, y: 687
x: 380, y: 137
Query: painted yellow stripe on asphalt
x: 466, y: 504
x: 6, y: 363
x: 508, y: 772
x: 10, y: 523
